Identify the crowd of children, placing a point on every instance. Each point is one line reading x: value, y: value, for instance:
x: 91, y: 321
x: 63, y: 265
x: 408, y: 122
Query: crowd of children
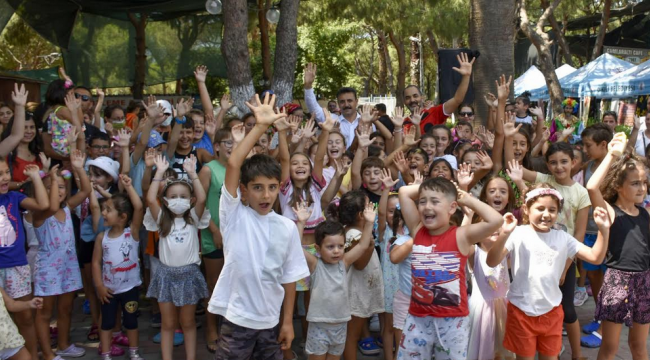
x: 465, y: 245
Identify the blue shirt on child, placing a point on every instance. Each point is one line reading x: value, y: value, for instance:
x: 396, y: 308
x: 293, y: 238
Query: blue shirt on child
x: 12, y: 234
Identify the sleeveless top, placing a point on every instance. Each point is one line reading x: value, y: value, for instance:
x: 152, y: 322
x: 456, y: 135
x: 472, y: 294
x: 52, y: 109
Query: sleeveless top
x: 121, y: 269
x: 329, y: 294
x: 438, y: 276
x: 18, y: 166
x: 217, y: 176
x: 492, y: 282
x: 629, y: 248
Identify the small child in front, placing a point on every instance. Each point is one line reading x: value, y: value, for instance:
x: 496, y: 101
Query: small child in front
x: 263, y: 254
x: 437, y: 323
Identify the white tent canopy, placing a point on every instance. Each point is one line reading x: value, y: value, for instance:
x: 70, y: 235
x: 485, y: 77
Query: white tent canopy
x: 533, y: 78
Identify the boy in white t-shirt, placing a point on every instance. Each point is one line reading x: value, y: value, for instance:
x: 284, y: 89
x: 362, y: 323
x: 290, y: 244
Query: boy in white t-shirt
x: 263, y: 255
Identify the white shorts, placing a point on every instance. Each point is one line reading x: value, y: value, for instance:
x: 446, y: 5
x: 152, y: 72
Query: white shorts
x: 324, y: 338
x: 16, y: 281
x: 444, y: 338
x: 7, y: 353
x: 401, y: 303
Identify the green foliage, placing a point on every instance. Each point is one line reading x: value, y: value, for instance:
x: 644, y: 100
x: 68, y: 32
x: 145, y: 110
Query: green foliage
x: 24, y: 49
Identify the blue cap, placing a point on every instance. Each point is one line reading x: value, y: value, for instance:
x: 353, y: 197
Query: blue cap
x: 155, y: 139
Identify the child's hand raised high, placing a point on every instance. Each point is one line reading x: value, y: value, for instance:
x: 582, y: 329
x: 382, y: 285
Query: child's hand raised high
x: 19, y: 95
x: 32, y: 171
x: 398, y: 117
x: 409, y: 138
x: 370, y: 213
x: 509, y: 223
x: 465, y: 176
x: 485, y: 159
x: 149, y: 157
x: 363, y: 136
x: 341, y: 167
x: 189, y: 165
x: 417, y: 178
x: 510, y: 128
x: 263, y: 111
x: 387, y: 179
x: 77, y: 159
x: 601, y: 217
x: 400, y: 162
x: 329, y: 122
x: 302, y: 212
x: 123, y: 137
x: 161, y: 163
x: 45, y: 161
x: 126, y: 181
x: 238, y: 133
x: 515, y: 171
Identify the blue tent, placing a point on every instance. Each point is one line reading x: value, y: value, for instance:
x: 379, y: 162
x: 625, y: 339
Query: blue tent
x: 604, y: 67
x: 632, y: 82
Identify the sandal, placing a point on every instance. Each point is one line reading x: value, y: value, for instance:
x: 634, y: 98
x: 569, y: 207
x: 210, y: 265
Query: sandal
x: 368, y: 347
x: 212, y: 346
x: 93, y: 334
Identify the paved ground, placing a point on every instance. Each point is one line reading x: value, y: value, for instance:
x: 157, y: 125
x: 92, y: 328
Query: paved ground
x: 151, y: 351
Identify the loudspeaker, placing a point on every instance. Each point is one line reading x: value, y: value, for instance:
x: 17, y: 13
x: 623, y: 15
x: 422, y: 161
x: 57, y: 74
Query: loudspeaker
x: 449, y: 79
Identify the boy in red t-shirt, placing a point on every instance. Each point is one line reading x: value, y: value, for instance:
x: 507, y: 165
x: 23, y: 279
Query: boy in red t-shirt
x: 437, y: 323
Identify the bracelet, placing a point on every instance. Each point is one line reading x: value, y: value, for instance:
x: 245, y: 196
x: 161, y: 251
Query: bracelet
x: 154, y: 179
x: 181, y: 121
x: 196, y: 178
x: 398, y: 131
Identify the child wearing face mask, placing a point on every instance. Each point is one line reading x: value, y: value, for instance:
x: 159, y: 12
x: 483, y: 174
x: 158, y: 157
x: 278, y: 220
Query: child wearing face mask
x: 178, y: 282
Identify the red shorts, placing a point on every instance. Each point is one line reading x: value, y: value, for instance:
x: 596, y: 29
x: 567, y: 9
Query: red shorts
x: 526, y: 335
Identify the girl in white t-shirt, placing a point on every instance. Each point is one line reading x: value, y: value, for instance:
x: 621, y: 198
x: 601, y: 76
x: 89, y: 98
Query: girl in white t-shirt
x: 115, y: 266
x: 538, y: 254
x: 178, y: 282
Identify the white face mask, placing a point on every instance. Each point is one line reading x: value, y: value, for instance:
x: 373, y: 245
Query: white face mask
x: 167, y: 121
x: 178, y: 206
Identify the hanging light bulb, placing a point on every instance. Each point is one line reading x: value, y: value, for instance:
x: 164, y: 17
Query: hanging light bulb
x: 213, y: 7
x: 273, y: 15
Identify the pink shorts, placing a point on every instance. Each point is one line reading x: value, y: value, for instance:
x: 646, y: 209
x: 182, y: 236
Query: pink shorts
x: 401, y: 303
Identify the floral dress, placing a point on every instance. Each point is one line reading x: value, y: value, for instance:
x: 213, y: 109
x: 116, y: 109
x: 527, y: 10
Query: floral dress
x: 57, y: 268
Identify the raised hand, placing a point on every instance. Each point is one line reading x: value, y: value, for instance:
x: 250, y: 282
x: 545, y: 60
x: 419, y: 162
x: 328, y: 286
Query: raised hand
x: 150, y: 157
x: 238, y: 133
x: 200, y: 73
x: 398, y: 117
x: 387, y: 179
x: 485, y: 159
x: 546, y: 135
x: 19, y: 95
x: 400, y: 162
x: 617, y: 145
x: 189, y: 165
x: 226, y: 102
x: 463, y: 197
x: 72, y: 135
x: 294, y: 122
x: 263, y: 111
x: 509, y: 128
x: 637, y: 122
x: 341, y: 167
x: 309, y: 75
x: 161, y: 163
x: 296, y: 136
x: 71, y: 102
x: 427, y: 104
x: 601, y: 217
x: 45, y: 161
x: 537, y: 112
x: 417, y: 178
x: 125, y: 180
x: 329, y: 122
x: 123, y: 138
x: 302, y: 212
x: 515, y: 171
x: 108, y: 127
x: 568, y: 131
x: 183, y: 106
x: 308, y: 129
x: 282, y: 124
x: 503, y: 87
x: 370, y: 213
x: 210, y: 125
x: 409, y: 137
x: 489, y: 139
x: 509, y: 223
x: 465, y: 68
x: 153, y: 108
x: 32, y: 171
x: 416, y: 116
x: 367, y: 115
x: 465, y: 175
x: 363, y: 136
x: 99, y: 92
x: 77, y: 159
x: 491, y: 100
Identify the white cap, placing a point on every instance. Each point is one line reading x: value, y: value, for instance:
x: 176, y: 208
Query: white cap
x: 107, y: 164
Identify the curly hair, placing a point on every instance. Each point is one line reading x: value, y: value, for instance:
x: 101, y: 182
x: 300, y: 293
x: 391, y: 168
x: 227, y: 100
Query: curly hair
x: 570, y: 102
x: 617, y: 174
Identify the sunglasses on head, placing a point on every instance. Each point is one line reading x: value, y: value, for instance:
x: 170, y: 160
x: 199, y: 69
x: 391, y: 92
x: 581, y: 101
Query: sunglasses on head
x: 83, y: 97
x: 466, y: 113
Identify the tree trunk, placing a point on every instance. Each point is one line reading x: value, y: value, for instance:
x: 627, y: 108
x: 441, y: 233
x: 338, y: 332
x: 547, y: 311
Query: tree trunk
x: 415, y: 63
x: 382, y: 88
x: 140, y: 54
x: 235, y: 51
x: 389, y: 69
x: 492, y: 33
x: 541, y: 41
x: 402, y: 67
x: 433, y: 43
x: 604, y: 20
x: 264, y: 40
x: 286, y: 51
x: 559, y: 35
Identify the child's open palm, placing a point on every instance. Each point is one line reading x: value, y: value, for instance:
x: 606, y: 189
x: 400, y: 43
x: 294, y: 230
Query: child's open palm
x: 465, y: 176
x: 263, y: 111
x: 161, y: 163
x: 341, y: 167
x: 238, y: 133
x: 329, y: 122
x: 416, y: 116
x: 45, y: 161
x: 509, y: 127
x: 387, y: 179
x: 150, y: 157
x: 189, y: 165
x: 409, y: 138
x: 308, y: 129
x: 370, y: 213
x: 503, y: 87
x: 417, y: 178
x: 400, y: 162
x: 485, y: 159
x: 123, y: 137
x: 367, y: 115
x: 77, y: 159
x: 71, y: 102
x: 302, y: 212
x: 19, y: 95
x: 32, y: 171
x: 363, y: 136
x: 515, y: 171
x: 601, y: 217
x: 201, y: 73
x: 398, y: 116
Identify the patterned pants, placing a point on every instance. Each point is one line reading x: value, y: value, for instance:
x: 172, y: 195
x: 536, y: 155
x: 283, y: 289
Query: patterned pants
x: 445, y: 338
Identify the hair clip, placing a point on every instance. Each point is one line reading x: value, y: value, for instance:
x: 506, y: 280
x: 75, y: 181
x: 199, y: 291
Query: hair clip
x: 68, y: 84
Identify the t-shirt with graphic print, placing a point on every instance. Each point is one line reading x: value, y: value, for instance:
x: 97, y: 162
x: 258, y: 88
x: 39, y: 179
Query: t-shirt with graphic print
x: 12, y: 233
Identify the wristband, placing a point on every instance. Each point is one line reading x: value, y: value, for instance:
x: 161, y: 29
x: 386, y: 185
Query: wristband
x: 398, y: 130
x: 181, y: 121
x: 156, y: 179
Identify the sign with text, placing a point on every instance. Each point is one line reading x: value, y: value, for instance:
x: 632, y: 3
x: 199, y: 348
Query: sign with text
x: 632, y: 55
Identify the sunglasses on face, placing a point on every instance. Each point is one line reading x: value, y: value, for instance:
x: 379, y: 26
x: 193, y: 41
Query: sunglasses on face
x: 466, y: 114
x: 84, y: 98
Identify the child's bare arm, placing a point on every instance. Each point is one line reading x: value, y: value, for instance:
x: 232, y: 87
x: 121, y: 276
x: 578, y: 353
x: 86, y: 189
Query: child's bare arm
x: 365, y: 243
x: 407, y: 197
x: 498, y: 251
x: 401, y: 252
x: 466, y: 236
x: 334, y: 185
x: 78, y: 159
x: 138, y: 208
x: 19, y: 97
x: 596, y: 254
x: 16, y: 306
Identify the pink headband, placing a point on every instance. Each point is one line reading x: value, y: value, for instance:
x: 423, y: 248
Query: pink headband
x: 544, y: 191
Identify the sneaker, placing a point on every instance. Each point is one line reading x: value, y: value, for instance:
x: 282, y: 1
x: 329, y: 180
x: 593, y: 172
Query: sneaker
x: 155, y: 321
x: 120, y: 339
x: 591, y: 327
x: 368, y: 347
x: 589, y: 291
x: 86, y: 307
x: 579, y: 297
x: 179, y: 339
x: 134, y: 354
x: 72, y: 351
x: 374, y: 323
x: 592, y: 340
x: 115, y: 350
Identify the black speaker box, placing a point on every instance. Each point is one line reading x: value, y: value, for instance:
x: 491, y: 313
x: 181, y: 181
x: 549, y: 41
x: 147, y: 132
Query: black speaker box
x: 448, y: 78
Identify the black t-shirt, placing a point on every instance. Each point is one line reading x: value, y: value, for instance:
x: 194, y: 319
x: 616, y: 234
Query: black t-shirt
x: 629, y: 247
x: 385, y: 120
